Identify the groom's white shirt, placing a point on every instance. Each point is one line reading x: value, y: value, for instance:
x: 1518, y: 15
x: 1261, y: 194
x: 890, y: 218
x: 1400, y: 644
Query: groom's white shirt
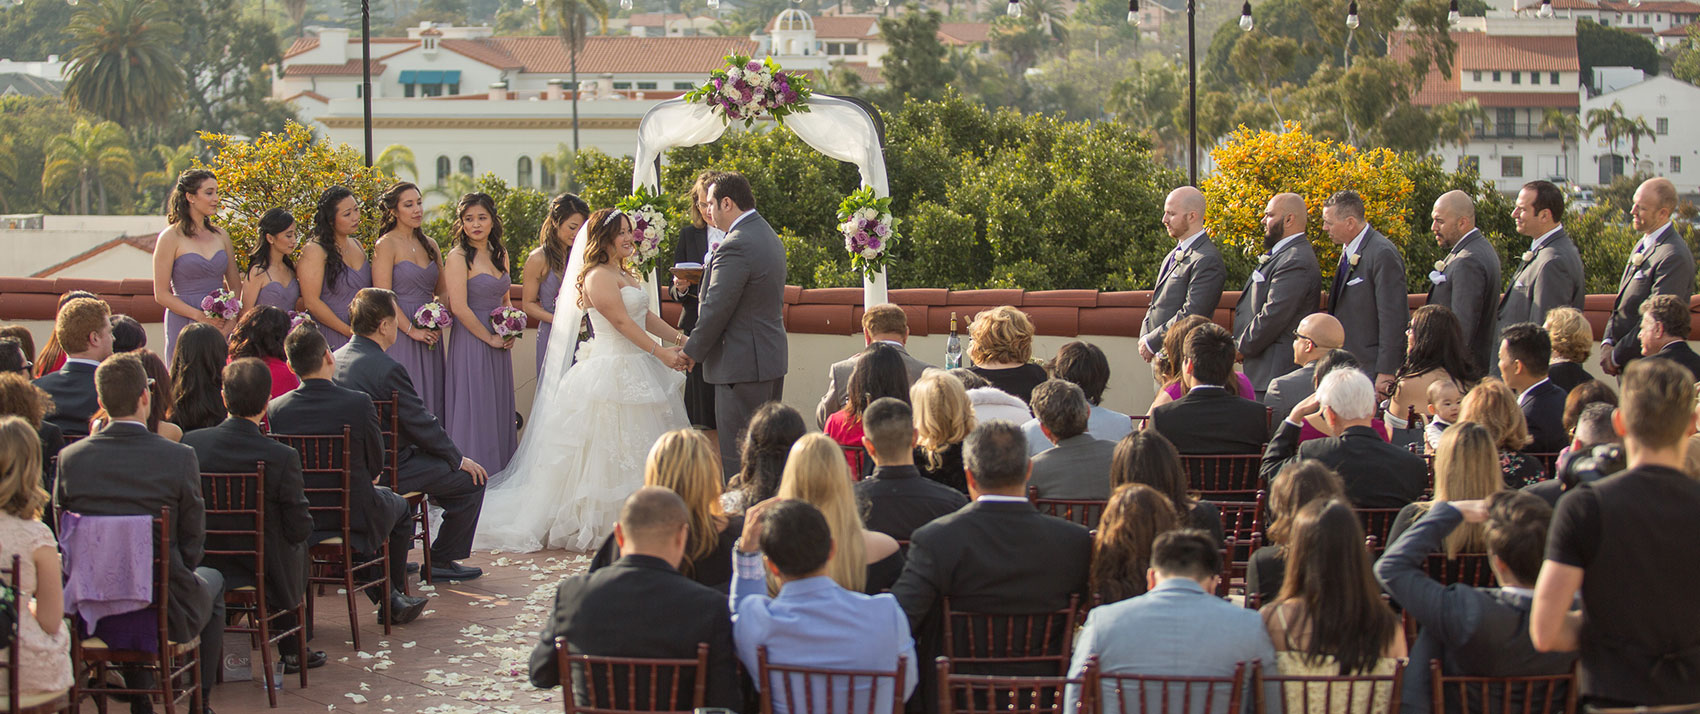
x: 739, y: 219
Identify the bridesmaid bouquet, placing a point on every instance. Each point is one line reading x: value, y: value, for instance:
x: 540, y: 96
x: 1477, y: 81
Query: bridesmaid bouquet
x: 221, y: 304
x: 508, y: 322
x: 298, y: 318
x: 433, y: 315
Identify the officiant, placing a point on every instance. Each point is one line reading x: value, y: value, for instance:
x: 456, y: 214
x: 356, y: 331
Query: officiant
x: 695, y: 243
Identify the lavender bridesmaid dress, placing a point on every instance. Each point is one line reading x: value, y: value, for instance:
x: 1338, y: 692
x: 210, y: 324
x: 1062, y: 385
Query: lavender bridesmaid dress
x: 546, y: 295
x: 478, y: 400
x: 282, y: 296
x: 339, y: 295
x: 415, y: 286
x: 193, y: 277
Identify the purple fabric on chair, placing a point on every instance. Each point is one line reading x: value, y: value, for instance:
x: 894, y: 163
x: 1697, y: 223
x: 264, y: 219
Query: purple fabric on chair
x: 193, y: 277
x: 109, y: 562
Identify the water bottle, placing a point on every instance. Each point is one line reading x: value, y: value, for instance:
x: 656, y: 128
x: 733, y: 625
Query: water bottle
x: 953, y: 347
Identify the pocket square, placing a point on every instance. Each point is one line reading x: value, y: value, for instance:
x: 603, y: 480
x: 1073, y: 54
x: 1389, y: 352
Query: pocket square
x: 1640, y: 275
x: 1354, y: 281
x: 1436, y: 277
x: 1257, y: 276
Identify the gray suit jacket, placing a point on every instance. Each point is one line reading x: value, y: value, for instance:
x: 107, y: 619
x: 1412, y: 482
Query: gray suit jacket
x: 426, y: 451
x: 740, y: 330
x: 1371, y: 303
x: 839, y: 378
x: 1553, y: 277
x: 1191, y: 286
x: 1287, y: 390
x: 1471, y: 291
x: 1668, y: 269
x: 1270, y: 309
x: 1077, y: 467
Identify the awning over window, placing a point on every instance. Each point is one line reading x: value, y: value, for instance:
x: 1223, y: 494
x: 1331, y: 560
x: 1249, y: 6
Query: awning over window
x: 428, y: 76
x: 407, y: 76
x: 451, y: 76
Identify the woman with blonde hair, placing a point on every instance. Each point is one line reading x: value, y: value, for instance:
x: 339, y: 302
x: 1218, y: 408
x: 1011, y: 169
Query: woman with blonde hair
x: 44, y: 640
x: 864, y: 561
x: 684, y: 462
x: 1002, y: 350
x: 1466, y: 468
x: 1121, y: 548
x: 943, y: 419
x: 1572, y: 344
x: 1493, y: 405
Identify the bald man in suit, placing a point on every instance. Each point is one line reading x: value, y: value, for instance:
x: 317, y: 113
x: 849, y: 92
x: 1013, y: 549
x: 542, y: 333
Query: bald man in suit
x: 1286, y: 286
x: 1190, y: 280
x: 1466, y: 281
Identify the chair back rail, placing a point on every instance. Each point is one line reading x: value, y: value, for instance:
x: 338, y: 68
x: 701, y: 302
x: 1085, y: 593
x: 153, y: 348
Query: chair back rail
x: 806, y: 690
x: 631, y: 685
x: 1549, y: 694
x: 1012, y: 639
x: 1377, y: 523
x: 1466, y: 568
x: 1085, y: 511
x: 1355, y: 694
x: 1224, y: 477
x: 994, y: 694
x: 1242, y: 521
x: 389, y: 427
x: 1160, y: 694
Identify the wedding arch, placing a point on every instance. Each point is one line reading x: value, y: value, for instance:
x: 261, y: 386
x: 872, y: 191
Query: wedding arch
x: 841, y: 128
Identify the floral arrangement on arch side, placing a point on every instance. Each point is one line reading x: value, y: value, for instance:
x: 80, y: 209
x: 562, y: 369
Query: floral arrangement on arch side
x: 868, y: 228
x: 746, y: 89
x: 649, y: 227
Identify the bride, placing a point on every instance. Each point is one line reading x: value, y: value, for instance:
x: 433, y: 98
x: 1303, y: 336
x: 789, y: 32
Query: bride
x: 593, y: 421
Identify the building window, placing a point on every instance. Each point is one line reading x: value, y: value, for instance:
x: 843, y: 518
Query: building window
x: 454, y: 89
x: 524, y: 172
x: 546, y: 177
x: 466, y: 165
x: 1661, y: 126
x: 646, y: 85
x: 1534, y: 78
x: 1552, y: 78
x: 1505, y: 122
x: 1516, y: 77
x: 407, y: 90
x: 622, y: 85
x: 1472, y: 163
x: 1496, y: 75
x: 359, y: 91
x: 684, y: 86
x: 443, y: 168
x: 1511, y: 166
x: 1476, y: 76
x: 1676, y: 164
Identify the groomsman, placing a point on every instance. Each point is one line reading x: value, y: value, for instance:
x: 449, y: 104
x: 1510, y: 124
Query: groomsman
x: 1190, y: 281
x: 1550, y: 272
x: 1286, y: 286
x: 1368, y: 295
x: 1660, y: 265
x: 1467, y: 279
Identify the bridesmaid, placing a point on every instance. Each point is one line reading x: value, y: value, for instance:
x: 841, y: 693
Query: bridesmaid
x: 328, y: 284
x: 479, y: 388
x: 693, y: 246
x: 407, y: 262
x: 191, y: 259
x: 271, y: 270
x: 541, y: 278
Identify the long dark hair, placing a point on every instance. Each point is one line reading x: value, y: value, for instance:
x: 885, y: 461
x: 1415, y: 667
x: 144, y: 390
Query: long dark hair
x: 561, y: 208
x: 1147, y: 457
x: 324, y: 231
x: 604, y: 224
x: 879, y: 372
x: 177, y: 206
x: 766, y: 444
x: 260, y: 333
x: 276, y: 220
x: 1328, y: 574
x: 198, y: 369
x: 387, y: 203
x: 1121, y: 551
x: 160, y: 389
x: 493, y: 242
x: 1437, y: 342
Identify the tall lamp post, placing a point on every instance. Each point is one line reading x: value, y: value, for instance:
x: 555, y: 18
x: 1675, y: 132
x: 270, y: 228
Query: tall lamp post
x: 366, y: 73
x: 1191, y: 73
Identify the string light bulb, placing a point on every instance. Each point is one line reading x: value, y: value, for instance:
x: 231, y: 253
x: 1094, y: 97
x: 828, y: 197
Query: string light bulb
x: 1546, y: 9
x: 1133, y: 12
x: 1352, y: 21
x: 1246, y: 22
x: 1452, y: 14
x: 1014, y: 8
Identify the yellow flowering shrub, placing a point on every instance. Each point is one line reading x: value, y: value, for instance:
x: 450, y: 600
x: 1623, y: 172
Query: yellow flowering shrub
x: 288, y: 169
x: 1253, y: 165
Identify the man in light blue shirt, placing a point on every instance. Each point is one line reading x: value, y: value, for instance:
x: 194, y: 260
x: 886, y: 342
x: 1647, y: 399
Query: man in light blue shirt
x: 813, y: 622
x: 1177, y: 628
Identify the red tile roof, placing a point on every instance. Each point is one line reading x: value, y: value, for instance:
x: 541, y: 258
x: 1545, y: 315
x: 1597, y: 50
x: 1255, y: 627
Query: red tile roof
x: 1481, y: 52
x: 1678, y: 31
x: 964, y: 33
x: 619, y: 55
x: 350, y: 68
x: 1574, y: 5
x: 840, y: 26
x: 1680, y: 7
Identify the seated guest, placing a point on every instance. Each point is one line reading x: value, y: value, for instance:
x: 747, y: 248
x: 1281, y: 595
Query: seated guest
x: 1584, y: 394
x: 989, y: 402
x: 1466, y: 467
x: 1121, y: 546
x: 683, y: 462
x: 813, y: 621
x: 13, y: 358
x: 1300, y: 482
x: 1524, y: 353
x: 235, y: 447
x: 1493, y: 405
x: 98, y: 477
x: 767, y: 440
x: 1209, y: 419
x: 1086, y: 366
x: 320, y: 408
x: 43, y: 640
x: 1445, y: 402
x: 1177, y: 628
x: 885, y: 323
x: 127, y: 334
x: 1078, y: 467
x: 896, y: 499
x: 1474, y: 632
x: 866, y: 560
x: 641, y: 606
x: 1376, y: 474
x: 52, y: 356
x: 1572, y: 343
x: 26, y: 344
x: 1001, y: 346
x: 1146, y: 457
x: 20, y: 398
x: 1435, y: 351
x: 1664, y: 331
x: 1593, y: 428
x: 879, y: 373
x: 1170, y: 366
x: 1314, y: 426
x: 430, y: 463
x: 82, y: 330
x: 197, y: 372
x: 1318, y: 334
x: 260, y: 334
x: 1610, y: 542
x: 160, y: 387
x: 943, y: 419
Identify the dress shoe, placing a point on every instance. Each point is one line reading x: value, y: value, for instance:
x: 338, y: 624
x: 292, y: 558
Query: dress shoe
x: 403, y: 609
x: 412, y: 568
x: 454, y: 571
x: 315, y: 660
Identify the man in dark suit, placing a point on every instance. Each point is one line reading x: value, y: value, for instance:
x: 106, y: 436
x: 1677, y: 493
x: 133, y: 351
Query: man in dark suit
x: 1660, y: 265
x: 1286, y: 286
x: 1207, y: 419
x: 236, y: 446
x: 1664, y: 331
x: 1524, y: 351
x: 1369, y: 288
x: 126, y: 470
x: 1550, y: 273
x: 1476, y: 632
x: 1467, y: 279
x: 1376, y: 474
x: 898, y: 498
x: 1190, y: 279
x: 85, y: 333
x: 1078, y: 466
x: 319, y: 407
x: 881, y: 323
x: 1318, y: 334
x: 429, y: 461
x: 995, y: 555
x: 641, y: 606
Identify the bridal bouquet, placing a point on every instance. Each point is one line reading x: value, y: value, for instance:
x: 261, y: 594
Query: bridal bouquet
x: 868, y: 228
x: 649, y: 226
x: 434, y: 316
x: 222, y: 304
x: 508, y: 322
x: 745, y: 89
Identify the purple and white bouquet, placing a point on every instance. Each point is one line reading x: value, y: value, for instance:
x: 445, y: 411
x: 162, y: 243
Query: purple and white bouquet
x: 868, y: 228
x: 433, y: 315
x: 508, y: 322
x: 222, y: 303
x: 298, y: 318
x: 649, y: 226
x: 745, y: 89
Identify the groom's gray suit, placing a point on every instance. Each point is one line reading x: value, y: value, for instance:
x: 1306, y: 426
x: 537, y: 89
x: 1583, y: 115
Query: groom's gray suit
x: 740, y: 333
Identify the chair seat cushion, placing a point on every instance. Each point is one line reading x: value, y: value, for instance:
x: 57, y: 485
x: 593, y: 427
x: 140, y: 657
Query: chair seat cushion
x: 33, y: 699
x: 95, y: 645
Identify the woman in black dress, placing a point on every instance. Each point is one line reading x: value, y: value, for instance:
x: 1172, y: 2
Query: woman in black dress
x: 693, y: 247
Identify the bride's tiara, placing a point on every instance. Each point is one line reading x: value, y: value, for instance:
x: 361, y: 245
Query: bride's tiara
x: 616, y: 213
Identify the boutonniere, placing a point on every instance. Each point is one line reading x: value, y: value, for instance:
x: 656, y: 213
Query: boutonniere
x: 1638, y: 258
x: 1528, y: 255
x: 1440, y: 266
x: 1355, y: 258
x: 1264, y: 259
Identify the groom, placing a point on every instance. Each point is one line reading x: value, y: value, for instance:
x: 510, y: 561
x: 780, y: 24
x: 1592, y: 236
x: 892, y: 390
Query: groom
x: 740, y: 332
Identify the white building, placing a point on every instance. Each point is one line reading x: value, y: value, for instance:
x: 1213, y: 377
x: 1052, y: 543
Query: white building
x: 1663, y: 22
x: 1671, y: 151
x: 856, y: 40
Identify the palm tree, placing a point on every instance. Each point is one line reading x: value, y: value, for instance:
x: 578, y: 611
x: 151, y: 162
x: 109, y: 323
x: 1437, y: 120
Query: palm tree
x: 1568, y: 126
x: 124, y: 66
x: 1457, y: 123
x: 454, y: 186
x: 1609, y: 121
x: 92, y: 158
x: 297, y: 10
x: 396, y: 158
x: 568, y: 18
x: 1635, y: 129
x: 172, y: 162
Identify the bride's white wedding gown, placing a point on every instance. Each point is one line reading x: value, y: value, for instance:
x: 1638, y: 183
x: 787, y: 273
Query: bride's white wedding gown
x: 589, y: 456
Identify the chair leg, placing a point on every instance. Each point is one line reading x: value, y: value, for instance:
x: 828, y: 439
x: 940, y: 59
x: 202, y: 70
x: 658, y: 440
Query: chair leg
x: 301, y: 644
x: 387, y: 589
x: 100, y: 680
x: 168, y: 681
x: 196, y: 706
x: 263, y: 625
x: 425, y: 538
